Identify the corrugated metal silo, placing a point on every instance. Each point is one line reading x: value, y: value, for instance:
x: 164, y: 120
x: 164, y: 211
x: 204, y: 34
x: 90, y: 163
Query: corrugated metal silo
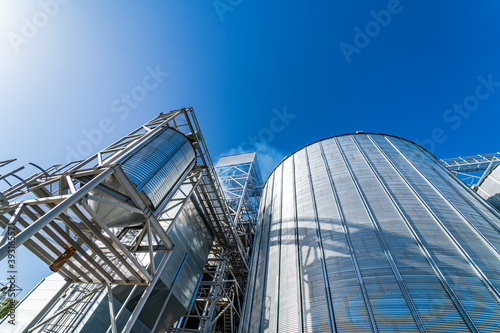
x: 171, y: 295
x: 155, y: 166
x: 370, y: 233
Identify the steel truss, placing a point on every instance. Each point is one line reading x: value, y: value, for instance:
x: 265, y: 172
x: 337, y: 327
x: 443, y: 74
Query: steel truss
x: 472, y: 169
x: 52, y: 218
x: 242, y: 185
x: 218, y: 304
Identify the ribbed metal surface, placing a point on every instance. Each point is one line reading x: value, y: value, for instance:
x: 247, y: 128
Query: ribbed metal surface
x: 489, y: 189
x: 193, y: 238
x: 157, y: 166
x: 368, y: 232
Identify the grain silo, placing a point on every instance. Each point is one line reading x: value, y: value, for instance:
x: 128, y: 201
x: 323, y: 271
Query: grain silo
x: 369, y: 233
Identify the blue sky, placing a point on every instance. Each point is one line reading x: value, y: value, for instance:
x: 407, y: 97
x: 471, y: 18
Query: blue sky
x: 260, y: 75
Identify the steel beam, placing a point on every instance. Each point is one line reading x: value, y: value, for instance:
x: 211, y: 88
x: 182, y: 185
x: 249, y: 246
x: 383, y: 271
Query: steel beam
x: 53, y: 213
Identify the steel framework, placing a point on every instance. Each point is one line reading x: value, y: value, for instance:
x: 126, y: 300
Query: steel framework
x: 472, y: 169
x: 218, y: 304
x: 49, y: 213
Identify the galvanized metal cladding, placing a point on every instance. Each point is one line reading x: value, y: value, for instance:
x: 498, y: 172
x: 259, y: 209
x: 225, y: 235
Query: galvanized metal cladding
x: 361, y: 232
x: 489, y: 188
x: 143, y: 215
x: 154, y: 168
x: 159, y: 164
x: 367, y: 233
x: 172, y: 294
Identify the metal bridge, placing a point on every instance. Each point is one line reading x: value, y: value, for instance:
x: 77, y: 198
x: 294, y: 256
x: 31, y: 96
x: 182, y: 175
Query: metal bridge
x: 472, y: 169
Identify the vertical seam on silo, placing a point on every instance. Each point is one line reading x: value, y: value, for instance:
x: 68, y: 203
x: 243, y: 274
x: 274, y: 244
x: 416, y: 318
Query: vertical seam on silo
x: 253, y: 268
x: 320, y: 244
x: 278, y: 285
x: 388, y: 254
x: 349, y: 242
x: 380, y: 238
x: 159, y: 167
x: 483, y: 202
x: 440, y: 275
x: 479, y: 233
x: 468, y: 258
x: 177, y: 185
x: 297, y: 249
x: 264, y: 278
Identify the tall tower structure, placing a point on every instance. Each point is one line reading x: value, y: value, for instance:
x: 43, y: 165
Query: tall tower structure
x: 128, y: 231
x: 241, y: 181
x: 370, y: 233
x: 218, y: 304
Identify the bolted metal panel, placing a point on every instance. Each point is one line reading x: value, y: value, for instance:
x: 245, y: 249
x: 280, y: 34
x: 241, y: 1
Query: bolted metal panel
x: 369, y: 232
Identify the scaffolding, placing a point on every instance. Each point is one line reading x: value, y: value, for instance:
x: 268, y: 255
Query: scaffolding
x: 49, y: 213
x: 218, y: 304
x: 472, y: 169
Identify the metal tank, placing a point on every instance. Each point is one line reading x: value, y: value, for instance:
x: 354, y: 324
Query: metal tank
x: 370, y: 233
x: 170, y: 298
x: 489, y: 188
x: 155, y: 166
